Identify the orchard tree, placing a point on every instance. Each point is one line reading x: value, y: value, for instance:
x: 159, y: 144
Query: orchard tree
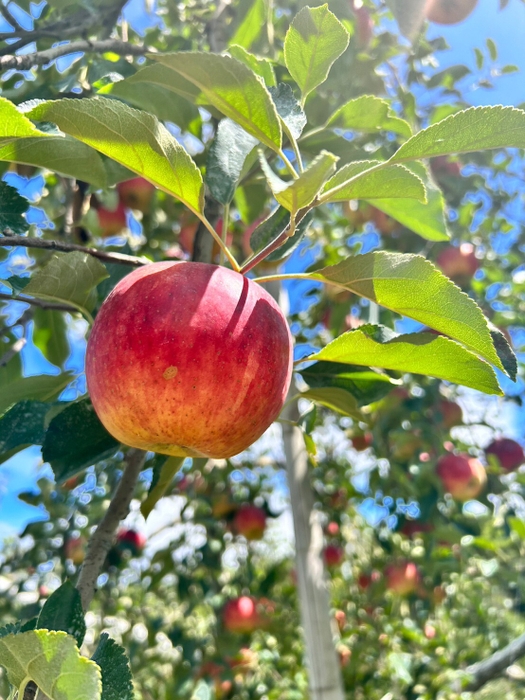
x: 190, y: 174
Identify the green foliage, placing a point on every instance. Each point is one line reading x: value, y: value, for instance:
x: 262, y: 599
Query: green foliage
x: 12, y: 207
x: 114, y: 667
x: 62, y: 611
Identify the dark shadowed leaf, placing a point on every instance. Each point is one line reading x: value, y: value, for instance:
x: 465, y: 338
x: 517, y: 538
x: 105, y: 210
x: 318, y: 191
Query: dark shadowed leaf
x: 12, y: 208
x: 114, y: 666
x: 226, y: 158
x: 63, y: 611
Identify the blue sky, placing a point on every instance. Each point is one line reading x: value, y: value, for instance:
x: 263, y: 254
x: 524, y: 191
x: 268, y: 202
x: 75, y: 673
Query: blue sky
x: 506, y: 28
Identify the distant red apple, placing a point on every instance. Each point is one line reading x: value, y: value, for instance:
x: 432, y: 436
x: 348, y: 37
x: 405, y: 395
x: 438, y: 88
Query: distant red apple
x: 240, y: 615
x: 340, y: 618
x: 332, y: 529
x: 384, y: 224
x: 362, y: 442
x: 459, y: 264
x: 111, y: 221
x: 365, y: 580
x: 188, y: 359
x: 402, y: 577
x: 250, y: 521
x: 442, y: 166
x: 364, y: 27
x: 430, y: 631
x: 508, y: 452
x: 450, y: 413
x: 333, y: 555
x: 75, y: 549
x: 345, y: 654
x: 137, y: 194
x: 461, y: 475
x: 131, y: 540
x: 223, y: 505
x: 415, y: 527
x: 449, y: 11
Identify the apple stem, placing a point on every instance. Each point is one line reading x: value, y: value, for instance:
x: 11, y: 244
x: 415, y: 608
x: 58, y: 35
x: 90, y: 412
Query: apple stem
x: 225, y: 222
x: 104, y: 536
x: 223, y: 247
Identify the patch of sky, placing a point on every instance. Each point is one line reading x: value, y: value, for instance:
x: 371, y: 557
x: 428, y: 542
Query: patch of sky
x: 139, y: 18
x: 23, y: 18
x: 366, y: 242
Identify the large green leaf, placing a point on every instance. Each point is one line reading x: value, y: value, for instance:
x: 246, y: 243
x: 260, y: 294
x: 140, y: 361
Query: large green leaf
x: 289, y: 109
x: 53, y: 662
x: 62, y: 611
x: 69, y: 277
x: 426, y: 219
x: 473, y: 129
x: 42, y: 387
x: 135, y: 139
x: 12, y: 207
x: 413, y: 287
x: 418, y: 353
x: 359, y: 181
x: 299, y: 193
x: 365, y: 385
x: 76, y: 439
x: 226, y: 158
x: 163, y: 472
x: 23, y: 425
x: 59, y: 153
x: 369, y: 114
x: 232, y: 88
x: 315, y: 39
x: 116, y: 675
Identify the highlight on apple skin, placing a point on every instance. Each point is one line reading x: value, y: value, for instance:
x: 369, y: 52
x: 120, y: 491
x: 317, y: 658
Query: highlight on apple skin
x: 188, y: 359
x: 462, y: 476
x: 508, y: 452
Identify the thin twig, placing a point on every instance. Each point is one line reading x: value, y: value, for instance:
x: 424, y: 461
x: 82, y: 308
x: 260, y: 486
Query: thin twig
x: 40, y: 58
x: 13, y: 350
x: 28, y: 242
x: 41, y: 304
x: 104, y: 536
x: 483, y: 671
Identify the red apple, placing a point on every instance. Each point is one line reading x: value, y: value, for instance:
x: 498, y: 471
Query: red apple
x: 384, y: 224
x: 333, y: 555
x: 449, y: 11
x: 111, y: 221
x: 250, y: 521
x: 450, y: 413
x: 136, y: 193
x: 131, y: 540
x: 75, y: 549
x: 223, y: 505
x: 332, y: 529
x: 365, y: 580
x: 461, y: 475
x: 402, y: 577
x: 188, y: 359
x: 442, y: 166
x: 364, y: 27
x: 508, y: 452
x: 340, y: 618
x: 241, y: 615
x: 362, y: 442
x: 430, y: 631
x: 415, y: 527
x: 459, y: 264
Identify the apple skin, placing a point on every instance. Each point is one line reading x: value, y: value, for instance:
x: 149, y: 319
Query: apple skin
x: 459, y: 264
x: 362, y: 442
x: 461, y: 475
x: 131, y: 540
x: 136, y: 193
x: 188, y: 359
x: 450, y: 413
x: 402, y: 577
x: 250, y: 521
x: 449, y: 11
x: 111, y: 221
x: 508, y: 452
x: 240, y: 615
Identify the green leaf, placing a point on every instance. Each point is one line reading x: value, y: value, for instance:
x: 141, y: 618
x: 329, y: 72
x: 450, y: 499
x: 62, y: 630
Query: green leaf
x: 50, y: 335
x: 17, y: 283
x: 427, y: 220
x: 260, y: 66
x: 505, y: 352
x: 12, y: 207
x: 289, y: 109
x: 23, y: 425
x: 366, y: 386
x: 232, y: 88
x: 334, y: 398
x: 299, y: 193
x: 226, y: 158
x: 76, y: 439
x: 114, y: 666
x: 274, y: 225
x: 517, y: 525
x: 157, y: 100
x: 135, y: 139
x: 473, y: 129
x: 358, y: 181
x: 62, y: 611
x: 13, y: 124
x: 368, y: 114
x: 493, y: 50
x: 315, y: 39
x: 38, y: 388
x: 53, y: 662
x: 163, y: 473
x: 417, y: 353
x: 70, y: 278
x: 59, y: 153
x: 413, y: 287
x: 249, y: 30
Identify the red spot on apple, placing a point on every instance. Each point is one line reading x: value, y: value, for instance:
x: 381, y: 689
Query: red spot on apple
x: 226, y: 336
